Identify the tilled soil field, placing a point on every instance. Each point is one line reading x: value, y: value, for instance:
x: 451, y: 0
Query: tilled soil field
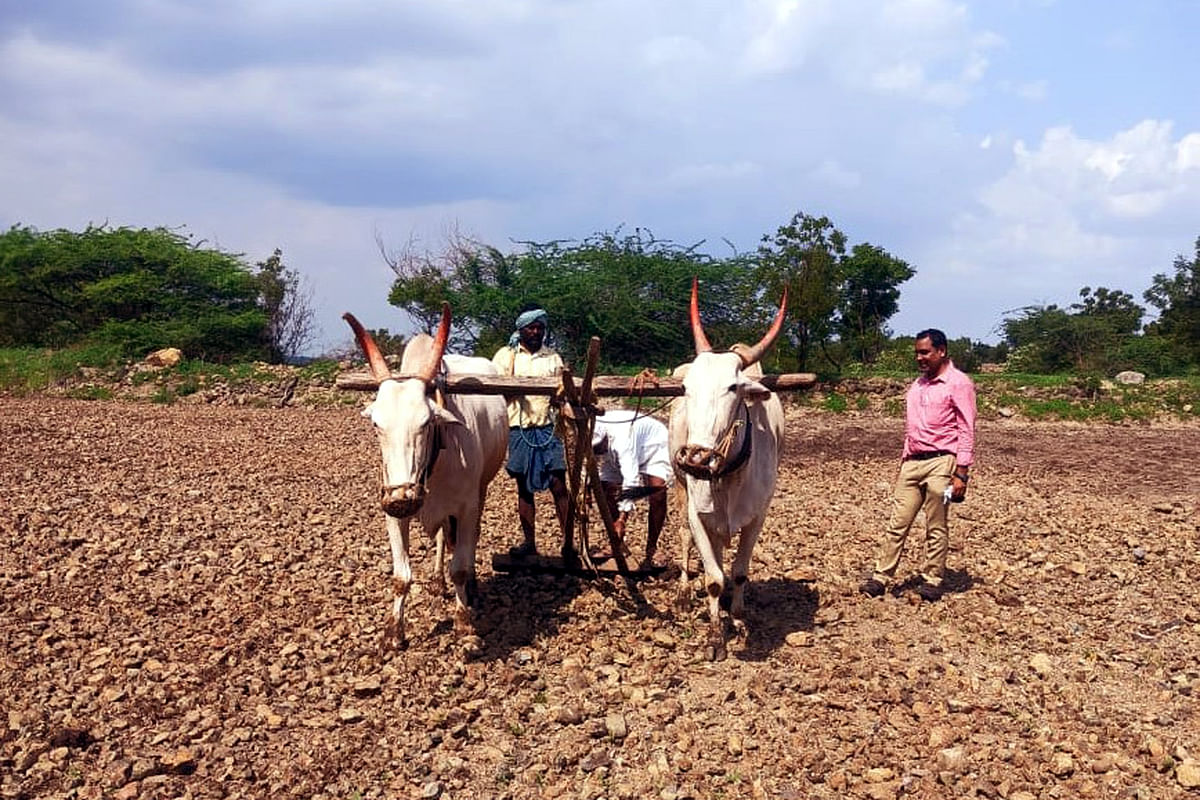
x: 192, y: 601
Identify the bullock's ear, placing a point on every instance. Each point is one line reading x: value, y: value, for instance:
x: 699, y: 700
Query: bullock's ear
x: 366, y: 411
x: 445, y: 416
x: 681, y: 371
x: 752, y: 390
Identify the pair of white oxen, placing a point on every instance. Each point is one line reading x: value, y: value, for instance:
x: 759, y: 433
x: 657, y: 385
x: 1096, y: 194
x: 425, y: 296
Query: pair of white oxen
x: 440, y: 454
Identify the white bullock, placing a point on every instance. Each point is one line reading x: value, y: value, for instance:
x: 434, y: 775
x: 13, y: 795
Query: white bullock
x: 726, y: 435
x: 439, y: 455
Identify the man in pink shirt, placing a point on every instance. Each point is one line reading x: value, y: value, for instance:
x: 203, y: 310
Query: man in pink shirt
x: 939, y: 448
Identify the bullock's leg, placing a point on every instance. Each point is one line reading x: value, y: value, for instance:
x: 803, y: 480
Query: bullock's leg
x: 741, y: 570
x: 684, y: 595
x: 393, y: 632
x: 439, y: 546
x: 711, y: 553
x: 462, y: 569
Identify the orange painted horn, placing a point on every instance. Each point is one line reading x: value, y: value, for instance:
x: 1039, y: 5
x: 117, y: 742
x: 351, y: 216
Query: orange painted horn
x: 379, y: 368
x: 439, y: 347
x: 702, y: 345
x: 752, y: 354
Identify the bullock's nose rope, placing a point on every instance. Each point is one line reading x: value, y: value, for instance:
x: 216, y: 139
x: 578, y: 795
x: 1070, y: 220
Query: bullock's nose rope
x: 432, y: 449
x: 720, y: 452
x: 722, y: 448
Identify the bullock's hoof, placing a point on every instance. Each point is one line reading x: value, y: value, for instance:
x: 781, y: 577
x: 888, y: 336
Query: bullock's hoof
x: 717, y: 646
x: 393, y: 637
x: 462, y: 621
x: 471, y: 646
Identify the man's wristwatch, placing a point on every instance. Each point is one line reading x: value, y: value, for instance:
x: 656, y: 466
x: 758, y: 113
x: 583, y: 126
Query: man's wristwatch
x: 962, y: 476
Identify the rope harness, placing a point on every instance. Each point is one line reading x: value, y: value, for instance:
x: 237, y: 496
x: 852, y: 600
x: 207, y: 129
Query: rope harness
x: 710, y: 465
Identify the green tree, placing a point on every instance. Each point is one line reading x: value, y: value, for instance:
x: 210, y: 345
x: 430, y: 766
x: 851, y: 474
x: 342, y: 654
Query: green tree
x: 1050, y: 339
x: 804, y: 255
x: 1177, y: 298
x: 136, y: 289
x: 632, y: 290
x: 288, y: 305
x: 1121, y: 314
x: 870, y: 296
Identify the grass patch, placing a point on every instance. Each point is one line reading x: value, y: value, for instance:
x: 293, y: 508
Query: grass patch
x: 90, y: 392
x: 323, y: 372
x: 835, y: 402
x: 163, y: 395
x: 32, y: 369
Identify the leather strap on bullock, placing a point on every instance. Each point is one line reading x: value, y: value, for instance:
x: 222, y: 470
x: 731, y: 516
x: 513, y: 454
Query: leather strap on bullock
x: 435, y: 447
x: 743, y: 454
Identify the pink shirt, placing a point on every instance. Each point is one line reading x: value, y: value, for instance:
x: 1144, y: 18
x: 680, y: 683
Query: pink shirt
x: 940, y: 415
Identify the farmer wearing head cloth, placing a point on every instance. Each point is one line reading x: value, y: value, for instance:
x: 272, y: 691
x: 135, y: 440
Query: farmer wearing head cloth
x: 535, y: 455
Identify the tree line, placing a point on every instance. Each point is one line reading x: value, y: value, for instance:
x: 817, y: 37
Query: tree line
x: 131, y: 291
x: 1103, y: 331
x: 135, y: 290
x: 632, y: 289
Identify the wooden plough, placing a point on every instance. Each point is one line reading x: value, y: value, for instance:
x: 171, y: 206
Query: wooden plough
x: 579, y: 410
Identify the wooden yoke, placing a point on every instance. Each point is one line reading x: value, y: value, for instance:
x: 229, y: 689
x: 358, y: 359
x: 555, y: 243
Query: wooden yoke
x: 602, y: 385
x: 581, y: 403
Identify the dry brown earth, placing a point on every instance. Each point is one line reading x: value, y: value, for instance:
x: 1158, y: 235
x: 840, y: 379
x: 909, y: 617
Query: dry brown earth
x: 191, y: 602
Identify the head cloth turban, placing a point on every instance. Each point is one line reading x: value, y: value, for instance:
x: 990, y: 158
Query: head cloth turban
x: 529, y: 317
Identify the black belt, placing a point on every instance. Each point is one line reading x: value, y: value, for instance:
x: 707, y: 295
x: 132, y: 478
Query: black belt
x: 928, y: 455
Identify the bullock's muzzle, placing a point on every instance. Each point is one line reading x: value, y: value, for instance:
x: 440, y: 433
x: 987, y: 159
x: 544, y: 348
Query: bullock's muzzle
x: 699, y: 462
x: 402, y: 500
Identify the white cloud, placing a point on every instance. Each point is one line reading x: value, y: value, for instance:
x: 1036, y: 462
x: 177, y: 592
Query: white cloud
x: 919, y: 49
x: 1073, y: 211
x: 1188, y: 152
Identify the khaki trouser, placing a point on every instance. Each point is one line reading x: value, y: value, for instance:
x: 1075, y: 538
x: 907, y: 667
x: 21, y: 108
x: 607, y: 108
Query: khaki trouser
x: 920, y: 486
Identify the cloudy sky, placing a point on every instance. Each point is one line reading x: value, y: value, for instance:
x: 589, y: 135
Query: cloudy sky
x: 1012, y: 151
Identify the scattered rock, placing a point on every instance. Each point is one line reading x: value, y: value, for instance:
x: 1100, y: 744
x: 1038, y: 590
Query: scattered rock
x: 1187, y: 773
x: 1129, y: 377
x: 616, y: 727
x: 164, y: 358
x: 1042, y: 664
x: 952, y: 759
x: 663, y: 638
x: 1062, y: 765
x: 799, y: 639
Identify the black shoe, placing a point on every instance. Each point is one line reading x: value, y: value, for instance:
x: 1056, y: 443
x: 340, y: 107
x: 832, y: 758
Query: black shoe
x: 929, y: 592
x: 525, y: 549
x: 872, y: 588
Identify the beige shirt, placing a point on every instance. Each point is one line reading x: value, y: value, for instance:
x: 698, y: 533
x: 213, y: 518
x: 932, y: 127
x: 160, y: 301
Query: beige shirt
x: 528, y: 411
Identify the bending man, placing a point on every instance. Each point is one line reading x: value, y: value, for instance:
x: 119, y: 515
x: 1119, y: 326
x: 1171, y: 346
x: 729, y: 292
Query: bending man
x: 636, y: 464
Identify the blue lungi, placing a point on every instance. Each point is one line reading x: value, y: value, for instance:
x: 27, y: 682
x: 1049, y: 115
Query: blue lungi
x: 534, y: 455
